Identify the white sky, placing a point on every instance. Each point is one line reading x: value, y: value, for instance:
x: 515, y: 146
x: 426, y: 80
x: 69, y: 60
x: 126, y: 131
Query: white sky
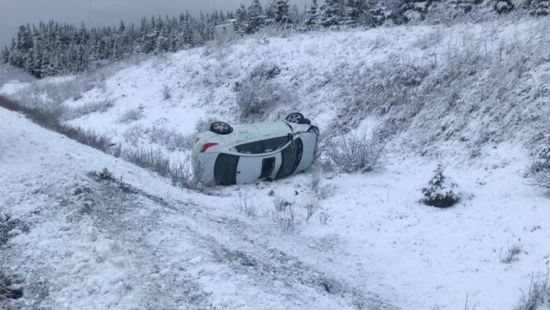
x: 14, y: 13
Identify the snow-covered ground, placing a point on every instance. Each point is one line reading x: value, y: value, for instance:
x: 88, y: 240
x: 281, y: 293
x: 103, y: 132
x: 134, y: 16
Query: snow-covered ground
x: 91, y: 243
x: 474, y: 97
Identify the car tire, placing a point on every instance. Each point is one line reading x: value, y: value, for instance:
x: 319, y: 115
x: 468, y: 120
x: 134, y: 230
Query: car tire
x: 296, y: 118
x: 221, y: 128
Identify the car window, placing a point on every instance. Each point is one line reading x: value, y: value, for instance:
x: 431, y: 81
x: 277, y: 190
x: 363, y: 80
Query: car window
x: 263, y: 146
x: 291, y: 156
x: 251, y: 148
x: 225, y: 169
x: 274, y: 144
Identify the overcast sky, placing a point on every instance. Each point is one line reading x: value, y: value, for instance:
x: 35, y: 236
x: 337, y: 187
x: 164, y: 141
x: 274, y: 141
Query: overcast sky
x: 101, y: 12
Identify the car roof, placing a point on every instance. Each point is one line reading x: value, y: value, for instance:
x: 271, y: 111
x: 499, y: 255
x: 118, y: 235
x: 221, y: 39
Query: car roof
x: 252, y: 132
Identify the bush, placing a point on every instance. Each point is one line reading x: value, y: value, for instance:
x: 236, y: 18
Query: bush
x: 440, y: 193
x: 512, y: 254
x: 284, y: 216
x: 7, y: 290
x: 259, y: 92
x: 5, y: 227
x: 154, y: 160
x: 243, y: 204
x: 319, y: 190
x: 355, y: 154
x: 51, y: 119
x: 537, y: 295
x: 169, y: 138
x: 179, y: 173
x: 540, y: 169
x: 166, y: 93
x: 95, y: 107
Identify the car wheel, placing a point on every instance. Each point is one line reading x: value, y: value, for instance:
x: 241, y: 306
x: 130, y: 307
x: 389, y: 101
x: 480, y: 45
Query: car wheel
x: 221, y: 128
x: 297, y: 118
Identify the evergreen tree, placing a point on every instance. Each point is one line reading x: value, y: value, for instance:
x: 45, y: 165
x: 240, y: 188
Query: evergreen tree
x: 279, y: 12
x: 255, y: 17
x: 356, y: 12
x: 50, y: 48
x: 242, y: 19
x: 312, y: 14
x: 5, y: 55
x: 332, y: 12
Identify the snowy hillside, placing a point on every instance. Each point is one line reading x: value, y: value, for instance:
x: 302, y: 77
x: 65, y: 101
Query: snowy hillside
x: 473, y: 97
x: 470, y: 78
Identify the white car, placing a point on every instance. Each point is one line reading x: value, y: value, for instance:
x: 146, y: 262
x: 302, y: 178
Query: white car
x: 243, y: 154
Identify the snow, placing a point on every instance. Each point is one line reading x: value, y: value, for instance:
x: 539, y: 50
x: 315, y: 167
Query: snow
x: 370, y: 243
x: 91, y: 244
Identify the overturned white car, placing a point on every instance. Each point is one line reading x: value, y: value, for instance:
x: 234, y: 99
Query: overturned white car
x: 242, y: 154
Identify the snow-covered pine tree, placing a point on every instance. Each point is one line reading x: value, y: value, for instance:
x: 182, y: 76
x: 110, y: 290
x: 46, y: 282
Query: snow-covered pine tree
x: 242, y: 19
x: 255, y: 17
x: 5, y: 55
x: 51, y: 48
x: 312, y: 14
x: 278, y: 12
x: 332, y: 12
x: 356, y: 12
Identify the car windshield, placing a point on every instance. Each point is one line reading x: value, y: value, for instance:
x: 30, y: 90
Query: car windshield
x: 263, y: 146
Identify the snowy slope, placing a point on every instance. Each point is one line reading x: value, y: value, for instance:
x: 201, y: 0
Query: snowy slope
x: 94, y: 244
x: 470, y: 78
x: 90, y: 243
x: 473, y: 96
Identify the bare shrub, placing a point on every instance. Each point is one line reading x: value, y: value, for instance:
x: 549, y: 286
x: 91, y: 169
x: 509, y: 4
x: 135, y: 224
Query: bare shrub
x: 179, y: 172
x: 284, y: 216
x: 5, y: 227
x: 311, y: 208
x: 265, y: 71
x: 395, y: 85
x: 540, y: 168
x: 355, y: 154
x: 318, y: 189
x: 183, y: 176
x: 259, y: 91
x: 324, y: 217
x: 87, y: 137
x: 166, y: 93
x: 169, y: 138
x: 467, y: 304
x: 131, y: 115
x: 244, y: 206
x: 95, y: 107
x: 512, y: 254
x: 154, y: 160
x: 8, y: 290
x: 440, y: 192
x: 151, y: 159
x: 537, y: 294
x: 51, y: 119
x: 54, y: 92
